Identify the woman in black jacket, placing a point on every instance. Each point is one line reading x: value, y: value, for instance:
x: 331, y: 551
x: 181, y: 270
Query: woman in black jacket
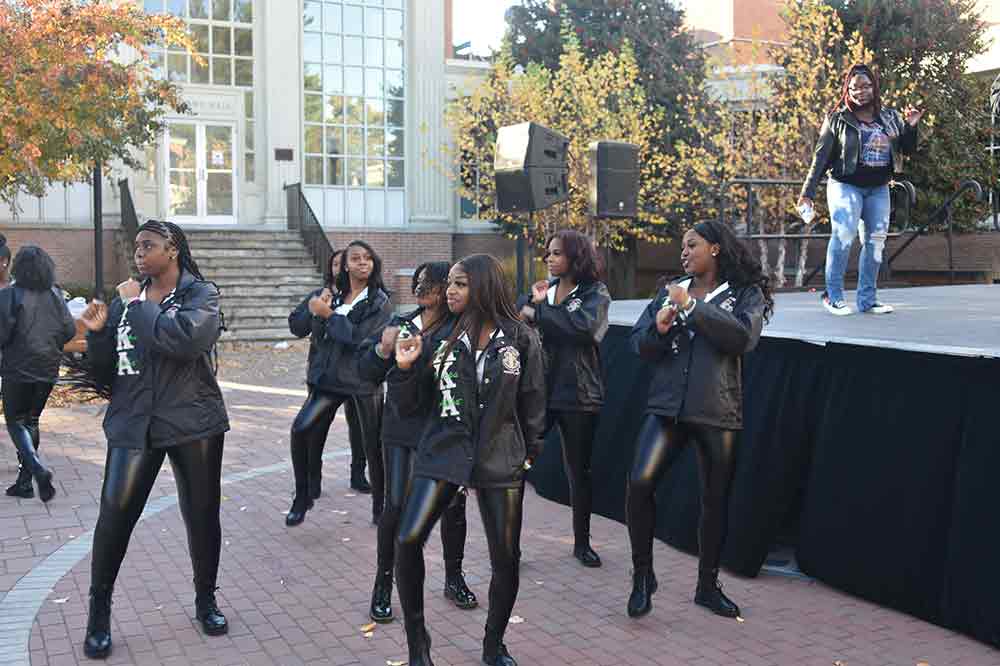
x: 150, y: 352
x: 34, y: 326
x: 357, y: 466
x: 400, y: 435
x: 694, y: 334
x: 571, y: 313
x: 479, y: 384
x: 339, y: 323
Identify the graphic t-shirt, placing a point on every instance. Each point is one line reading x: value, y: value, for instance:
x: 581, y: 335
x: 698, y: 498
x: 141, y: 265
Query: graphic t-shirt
x: 875, y: 158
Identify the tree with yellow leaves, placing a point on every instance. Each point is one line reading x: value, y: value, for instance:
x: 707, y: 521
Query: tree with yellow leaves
x: 586, y: 100
x: 78, y: 89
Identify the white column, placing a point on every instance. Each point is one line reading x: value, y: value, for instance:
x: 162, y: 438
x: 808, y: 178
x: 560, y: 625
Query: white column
x: 279, y: 97
x: 429, y: 190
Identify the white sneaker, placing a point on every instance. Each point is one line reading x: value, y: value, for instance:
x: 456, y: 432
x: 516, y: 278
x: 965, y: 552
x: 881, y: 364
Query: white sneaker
x: 838, y: 308
x: 880, y: 308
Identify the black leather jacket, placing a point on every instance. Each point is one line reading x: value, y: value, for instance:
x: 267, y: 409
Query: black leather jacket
x: 335, y: 344
x: 697, y: 378
x: 163, y: 392
x: 397, y: 429
x: 571, y: 334
x: 34, y: 326
x: 839, y: 146
x: 476, y: 435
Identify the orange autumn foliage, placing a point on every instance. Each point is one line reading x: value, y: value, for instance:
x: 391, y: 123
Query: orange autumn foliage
x: 77, y: 88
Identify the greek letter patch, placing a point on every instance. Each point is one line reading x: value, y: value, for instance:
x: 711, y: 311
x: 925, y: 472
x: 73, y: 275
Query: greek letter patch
x: 574, y: 304
x: 510, y: 359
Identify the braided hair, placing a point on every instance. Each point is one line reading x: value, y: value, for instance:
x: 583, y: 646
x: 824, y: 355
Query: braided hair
x: 175, y: 236
x: 845, y: 97
x: 736, y: 265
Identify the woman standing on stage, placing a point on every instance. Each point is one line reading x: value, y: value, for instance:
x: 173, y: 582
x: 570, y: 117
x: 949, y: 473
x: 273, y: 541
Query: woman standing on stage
x: 571, y: 313
x: 358, y: 480
x: 478, y: 382
x: 861, y: 144
x: 338, y: 324
x: 694, y: 334
x: 400, y: 435
x: 34, y: 326
x: 150, y: 353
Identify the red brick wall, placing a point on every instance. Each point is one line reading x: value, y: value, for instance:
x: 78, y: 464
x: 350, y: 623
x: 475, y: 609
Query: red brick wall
x: 400, y: 252
x: 72, y: 250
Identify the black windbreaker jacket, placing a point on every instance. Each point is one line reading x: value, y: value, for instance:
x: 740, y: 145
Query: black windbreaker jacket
x: 336, y: 342
x: 164, y: 392
x: 571, y: 334
x: 697, y: 378
x: 476, y: 435
x: 397, y: 429
x: 34, y: 326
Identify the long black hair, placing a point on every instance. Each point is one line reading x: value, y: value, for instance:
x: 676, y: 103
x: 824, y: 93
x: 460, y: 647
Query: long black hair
x: 375, y: 283
x: 34, y: 269
x: 736, y: 265
x: 584, y: 262
x: 489, y: 299
x: 435, y: 275
x: 175, y: 236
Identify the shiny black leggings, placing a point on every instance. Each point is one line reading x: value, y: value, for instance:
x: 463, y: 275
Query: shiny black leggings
x: 129, y: 475
x: 310, y: 429
x: 398, y: 472
x: 661, y: 439
x: 355, y: 436
x: 23, y: 403
x: 577, y: 434
x: 500, y: 509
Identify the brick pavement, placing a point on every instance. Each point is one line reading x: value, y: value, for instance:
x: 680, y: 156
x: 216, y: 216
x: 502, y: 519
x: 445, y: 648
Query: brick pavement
x: 300, y: 596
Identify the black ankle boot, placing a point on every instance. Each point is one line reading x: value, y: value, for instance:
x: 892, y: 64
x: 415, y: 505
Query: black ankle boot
x: 359, y: 481
x: 494, y: 651
x: 640, y: 602
x: 381, y: 608
x: 298, y: 511
x: 22, y: 486
x: 206, y: 610
x: 97, y: 644
x: 43, y: 477
x: 709, y: 594
x: 586, y: 555
x: 458, y: 592
x: 42, y: 474
x: 419, y: 644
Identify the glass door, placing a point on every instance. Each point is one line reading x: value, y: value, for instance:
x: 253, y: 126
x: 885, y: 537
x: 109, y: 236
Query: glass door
x: 200, y: 173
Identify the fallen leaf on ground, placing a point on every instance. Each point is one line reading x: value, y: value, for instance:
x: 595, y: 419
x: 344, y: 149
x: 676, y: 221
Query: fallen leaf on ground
x: 839, y: 663
x: 346, y: 539
x: 350, y: 495
x: 60, y: 601
x: 740, y: 619
x: 243, y: 508
x: 368, y: 634
x: 516, y: 619
x: 368, y: 627
x: 922, y: 663
x: 394, y: 662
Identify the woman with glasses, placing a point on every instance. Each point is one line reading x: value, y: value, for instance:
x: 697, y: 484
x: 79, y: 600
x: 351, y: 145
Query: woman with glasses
x: 861, y: 145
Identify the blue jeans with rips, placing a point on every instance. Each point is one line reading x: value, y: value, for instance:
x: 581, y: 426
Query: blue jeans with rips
x: 861, y: 211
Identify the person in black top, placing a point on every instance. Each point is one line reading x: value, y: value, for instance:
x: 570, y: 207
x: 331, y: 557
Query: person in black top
x: 34, y: 326
x: 571, y: 313
x: 400, y: 435
x: 862, y: 145
x: 339, y: 323
x: 357, y: 466
x: 150, y: 352
x: 693, y: 335
x: 478, y: 382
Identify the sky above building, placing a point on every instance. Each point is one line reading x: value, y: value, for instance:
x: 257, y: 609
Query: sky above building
x: 480, y: 22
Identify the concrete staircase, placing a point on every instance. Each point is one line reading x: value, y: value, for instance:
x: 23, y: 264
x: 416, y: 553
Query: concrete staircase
x: 262, y: 275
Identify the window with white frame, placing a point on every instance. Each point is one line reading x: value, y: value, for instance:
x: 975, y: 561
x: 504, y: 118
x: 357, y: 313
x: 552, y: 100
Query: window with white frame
x: 222, y: 32
x: 353, y: 79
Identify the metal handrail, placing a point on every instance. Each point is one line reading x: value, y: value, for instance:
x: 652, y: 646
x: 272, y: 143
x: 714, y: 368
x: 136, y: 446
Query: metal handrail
x: 302, y: 218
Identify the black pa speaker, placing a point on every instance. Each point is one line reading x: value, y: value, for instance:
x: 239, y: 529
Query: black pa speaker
x: 614, y: 179
x: 531, y: 168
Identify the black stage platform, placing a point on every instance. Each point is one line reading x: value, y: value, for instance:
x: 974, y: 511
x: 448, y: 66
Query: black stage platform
x: 871, y: 447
